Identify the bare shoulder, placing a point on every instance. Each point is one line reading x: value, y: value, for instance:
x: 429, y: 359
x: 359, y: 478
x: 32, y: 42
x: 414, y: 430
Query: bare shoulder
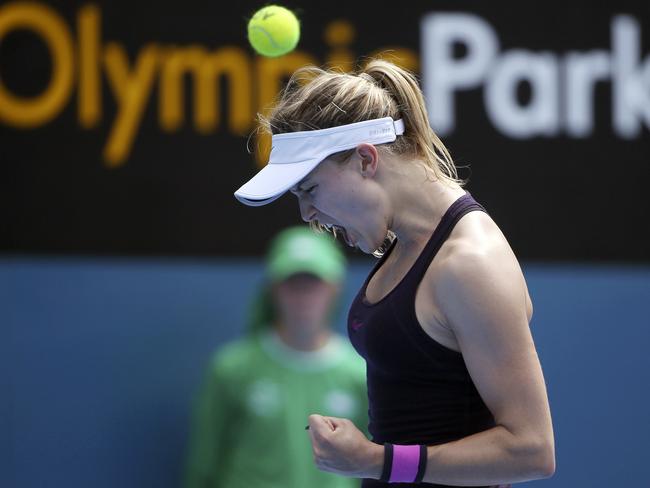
x: 476, y: 233
x: 476, y: 264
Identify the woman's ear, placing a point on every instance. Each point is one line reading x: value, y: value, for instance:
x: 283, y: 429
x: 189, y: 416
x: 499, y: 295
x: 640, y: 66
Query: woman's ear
x: 368, y: 159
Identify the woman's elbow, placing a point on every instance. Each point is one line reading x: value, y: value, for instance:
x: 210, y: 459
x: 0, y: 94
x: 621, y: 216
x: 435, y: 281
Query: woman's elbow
x: 536, y: 456
x: 542, y: 459
x: 548, y: 465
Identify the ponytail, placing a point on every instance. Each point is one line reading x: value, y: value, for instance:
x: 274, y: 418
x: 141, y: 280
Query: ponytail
x: 404, y: 89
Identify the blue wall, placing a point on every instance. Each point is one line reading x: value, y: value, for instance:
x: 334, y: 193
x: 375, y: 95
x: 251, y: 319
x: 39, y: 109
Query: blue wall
x: 99, y: 360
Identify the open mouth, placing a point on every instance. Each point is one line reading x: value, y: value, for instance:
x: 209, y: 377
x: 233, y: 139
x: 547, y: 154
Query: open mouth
x: 339, y: 231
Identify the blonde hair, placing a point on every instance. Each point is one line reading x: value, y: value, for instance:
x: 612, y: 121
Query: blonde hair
x: 316, y: 98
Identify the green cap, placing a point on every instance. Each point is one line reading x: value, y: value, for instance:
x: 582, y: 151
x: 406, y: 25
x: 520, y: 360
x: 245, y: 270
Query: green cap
x: 300, y: 250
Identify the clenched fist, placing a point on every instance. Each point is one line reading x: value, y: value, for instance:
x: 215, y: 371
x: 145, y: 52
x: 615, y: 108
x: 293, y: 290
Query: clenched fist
x: 339, y: 447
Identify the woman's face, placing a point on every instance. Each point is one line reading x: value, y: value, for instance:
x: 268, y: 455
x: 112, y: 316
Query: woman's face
x: 347, y: 197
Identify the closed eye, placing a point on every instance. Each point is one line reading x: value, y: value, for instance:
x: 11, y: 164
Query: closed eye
x: 298, y: 191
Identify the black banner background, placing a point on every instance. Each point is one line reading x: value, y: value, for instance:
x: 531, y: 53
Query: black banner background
x: 555, y: 198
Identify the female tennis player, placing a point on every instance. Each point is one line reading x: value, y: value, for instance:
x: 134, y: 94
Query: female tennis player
x: 455, y: 388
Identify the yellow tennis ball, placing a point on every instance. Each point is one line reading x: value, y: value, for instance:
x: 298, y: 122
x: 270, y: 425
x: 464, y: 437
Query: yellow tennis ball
x: 273, y: 31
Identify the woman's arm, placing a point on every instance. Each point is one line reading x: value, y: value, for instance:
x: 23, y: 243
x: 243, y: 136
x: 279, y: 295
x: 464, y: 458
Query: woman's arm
x: 482, y: 296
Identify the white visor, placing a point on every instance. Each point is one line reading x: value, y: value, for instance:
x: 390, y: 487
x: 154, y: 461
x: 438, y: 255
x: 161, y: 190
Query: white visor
x: 295, y: 154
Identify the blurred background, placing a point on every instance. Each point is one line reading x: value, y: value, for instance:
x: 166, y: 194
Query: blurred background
x: 125, y: 259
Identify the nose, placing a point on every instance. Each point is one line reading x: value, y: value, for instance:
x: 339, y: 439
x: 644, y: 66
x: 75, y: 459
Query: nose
x: 307, y: 211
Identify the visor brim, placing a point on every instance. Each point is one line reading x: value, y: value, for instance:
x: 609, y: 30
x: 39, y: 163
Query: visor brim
x: 272, y: 181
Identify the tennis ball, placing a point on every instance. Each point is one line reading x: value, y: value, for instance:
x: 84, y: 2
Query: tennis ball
x: 273, y: 31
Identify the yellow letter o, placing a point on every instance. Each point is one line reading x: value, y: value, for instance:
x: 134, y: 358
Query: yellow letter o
x: 32, y: 112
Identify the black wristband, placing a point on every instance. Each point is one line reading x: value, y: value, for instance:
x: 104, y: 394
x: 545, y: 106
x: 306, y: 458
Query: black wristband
x: 388, y: 462
x: 422, y: 465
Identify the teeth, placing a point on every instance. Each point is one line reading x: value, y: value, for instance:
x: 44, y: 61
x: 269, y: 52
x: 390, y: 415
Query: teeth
x: 338, y: 232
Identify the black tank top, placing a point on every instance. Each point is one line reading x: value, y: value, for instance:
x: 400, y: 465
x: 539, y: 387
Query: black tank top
x: 419, y: 391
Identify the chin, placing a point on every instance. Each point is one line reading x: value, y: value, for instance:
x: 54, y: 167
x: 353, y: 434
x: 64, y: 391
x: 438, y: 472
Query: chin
x: 368, y: 249
x: 369, y: 245
x: 364, y: 249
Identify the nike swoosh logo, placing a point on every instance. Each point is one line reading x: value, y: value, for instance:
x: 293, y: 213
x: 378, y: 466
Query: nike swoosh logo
x: 356, y: 324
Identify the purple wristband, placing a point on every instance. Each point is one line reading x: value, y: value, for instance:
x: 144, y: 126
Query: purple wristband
x: 406, y: 464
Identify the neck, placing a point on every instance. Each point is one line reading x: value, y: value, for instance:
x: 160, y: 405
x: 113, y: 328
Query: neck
x: 418, y: 202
